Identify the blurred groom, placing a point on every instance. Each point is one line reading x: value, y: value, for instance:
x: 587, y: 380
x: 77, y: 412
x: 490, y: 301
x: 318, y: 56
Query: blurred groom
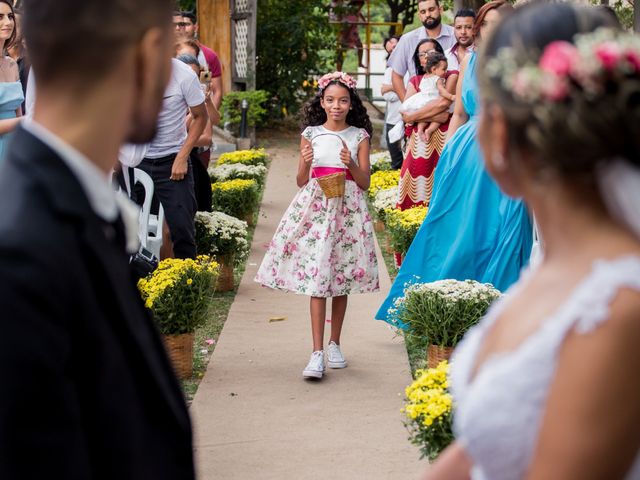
x: 87, y: 389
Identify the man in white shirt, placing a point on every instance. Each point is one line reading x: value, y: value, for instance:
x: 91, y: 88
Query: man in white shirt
x: 401, y: 60
x: 167, y: 159
x: 392, y: 111
x: 463, y: 29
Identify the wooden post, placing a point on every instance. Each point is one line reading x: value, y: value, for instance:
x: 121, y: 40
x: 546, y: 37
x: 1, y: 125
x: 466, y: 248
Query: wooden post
x: 214, y: 19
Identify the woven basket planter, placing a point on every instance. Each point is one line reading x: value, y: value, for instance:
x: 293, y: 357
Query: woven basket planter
x: 249, y: 219
x: 225, y: 282
x: 180, y: 351
x: 378, y: 226
x: 387, y: 242
x: 436, y: 354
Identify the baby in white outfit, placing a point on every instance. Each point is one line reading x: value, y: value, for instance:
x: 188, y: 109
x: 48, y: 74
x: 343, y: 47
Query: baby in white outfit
x: 432, y: 86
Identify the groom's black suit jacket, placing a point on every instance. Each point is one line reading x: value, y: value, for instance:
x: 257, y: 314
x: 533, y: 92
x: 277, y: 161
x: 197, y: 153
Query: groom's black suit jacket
x: 86, y: 390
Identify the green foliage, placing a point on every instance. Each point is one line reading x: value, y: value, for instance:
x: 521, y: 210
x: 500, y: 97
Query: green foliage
x: 237, y: 198
x: 290, y: 40
x: 186, y: 5
x: 231, y: 108
x: 624, y: 11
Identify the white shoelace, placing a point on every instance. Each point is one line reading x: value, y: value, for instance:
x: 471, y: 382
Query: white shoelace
x: 316, y: 361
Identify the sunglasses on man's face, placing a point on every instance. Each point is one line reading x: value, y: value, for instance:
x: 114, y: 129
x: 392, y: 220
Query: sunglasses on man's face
x: 180, y: 24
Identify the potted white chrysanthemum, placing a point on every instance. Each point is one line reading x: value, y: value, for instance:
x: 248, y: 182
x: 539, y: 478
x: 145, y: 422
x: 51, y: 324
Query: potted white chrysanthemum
x: 436, y: 315
x: 225, y: 238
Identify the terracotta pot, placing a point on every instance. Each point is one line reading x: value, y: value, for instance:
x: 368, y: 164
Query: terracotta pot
x: 180, y: 351
x: 225, y: 282
x: 436, y: 354
x: 378, y: 226
x: 387, y: 243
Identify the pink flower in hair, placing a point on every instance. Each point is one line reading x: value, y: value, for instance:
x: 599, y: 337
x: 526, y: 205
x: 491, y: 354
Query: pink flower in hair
x: 633, y: 57
x: 341, y: 77
x: 609, y: 54
x: 522, y: 83
x: 555, y: 88
x: 559, y: 58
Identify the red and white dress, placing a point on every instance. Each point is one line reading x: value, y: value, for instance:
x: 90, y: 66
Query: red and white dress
x: 416, y: 174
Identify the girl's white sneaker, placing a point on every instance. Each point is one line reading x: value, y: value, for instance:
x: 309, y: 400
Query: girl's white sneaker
x: 335, y: 359
x: 315, y: 367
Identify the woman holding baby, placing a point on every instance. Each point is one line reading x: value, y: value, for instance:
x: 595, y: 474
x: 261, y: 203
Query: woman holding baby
x: 421, y: 154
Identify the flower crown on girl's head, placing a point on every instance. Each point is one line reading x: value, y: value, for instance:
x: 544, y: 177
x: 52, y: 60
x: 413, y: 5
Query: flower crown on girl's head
x: 565, y: 70
x: 341, y: 77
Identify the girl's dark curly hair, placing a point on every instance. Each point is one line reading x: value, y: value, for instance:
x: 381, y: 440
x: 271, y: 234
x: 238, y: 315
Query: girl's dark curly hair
x: 433, y: 60
x: 313, y: 114
x: 416, y: 54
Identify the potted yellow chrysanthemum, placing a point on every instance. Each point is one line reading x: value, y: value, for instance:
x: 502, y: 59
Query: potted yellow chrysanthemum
x: 238, y: 198
x: 179, y: 293
x: 402, y: 226
x: 428, y: 409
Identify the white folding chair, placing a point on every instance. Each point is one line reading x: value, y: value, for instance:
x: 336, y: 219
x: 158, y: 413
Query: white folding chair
x: 150, y: 232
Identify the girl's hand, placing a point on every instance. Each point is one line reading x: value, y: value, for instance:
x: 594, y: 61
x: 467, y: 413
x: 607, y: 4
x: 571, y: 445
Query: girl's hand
x: 307, y: 154
x: 345, y: 155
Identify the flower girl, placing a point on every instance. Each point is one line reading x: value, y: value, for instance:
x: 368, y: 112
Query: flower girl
x: 324, y: 245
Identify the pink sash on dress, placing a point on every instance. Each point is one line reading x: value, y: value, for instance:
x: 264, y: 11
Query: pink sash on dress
x: 323, y: 171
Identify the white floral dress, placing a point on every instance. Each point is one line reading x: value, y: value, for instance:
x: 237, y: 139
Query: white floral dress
x: 324, y: 247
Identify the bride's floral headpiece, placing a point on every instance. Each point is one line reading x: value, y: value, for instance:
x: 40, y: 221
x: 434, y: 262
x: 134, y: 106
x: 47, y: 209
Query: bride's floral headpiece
x: 341, y: 77
x: 565, y: 69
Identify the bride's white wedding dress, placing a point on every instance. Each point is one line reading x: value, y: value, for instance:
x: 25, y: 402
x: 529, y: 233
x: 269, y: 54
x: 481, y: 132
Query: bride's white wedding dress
x: 499, y: 411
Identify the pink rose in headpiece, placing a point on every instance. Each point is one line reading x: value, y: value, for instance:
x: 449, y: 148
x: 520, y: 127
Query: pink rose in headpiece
x: 609, y: 55
x: 633, y: 57
x: 555, y: 88
x: 522, y: 83
x: 559, y: 58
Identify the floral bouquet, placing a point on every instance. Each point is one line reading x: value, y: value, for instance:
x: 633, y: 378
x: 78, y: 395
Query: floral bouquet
x: 237, y: 198
x: 403, y: 225
x: 440, y: 313
x: 380, y: 161
x: 246, y: 157
x: 221, y: 235
x: 428, y: 408
x: 233, y: 171
x: 382, y: 180
x: 179, y: 292
x: 385, y: 200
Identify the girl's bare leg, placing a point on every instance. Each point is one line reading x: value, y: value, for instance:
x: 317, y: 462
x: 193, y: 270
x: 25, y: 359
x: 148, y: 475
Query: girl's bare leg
x: 338, y: 310
x: 318, y: 315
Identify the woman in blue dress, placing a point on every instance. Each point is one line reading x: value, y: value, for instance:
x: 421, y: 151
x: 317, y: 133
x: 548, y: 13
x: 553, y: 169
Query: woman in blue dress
x: 11, y: 96
x: 472, y: 231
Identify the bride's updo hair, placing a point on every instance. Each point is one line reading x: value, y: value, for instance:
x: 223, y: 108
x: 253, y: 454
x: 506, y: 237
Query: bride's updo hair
x: 573, y: 128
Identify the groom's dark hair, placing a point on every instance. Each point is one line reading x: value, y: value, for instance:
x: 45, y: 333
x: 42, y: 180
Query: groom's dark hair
x: 86, y: 37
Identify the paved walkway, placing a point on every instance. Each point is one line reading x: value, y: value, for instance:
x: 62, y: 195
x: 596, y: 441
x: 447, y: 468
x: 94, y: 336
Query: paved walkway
x: 256, y: 418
